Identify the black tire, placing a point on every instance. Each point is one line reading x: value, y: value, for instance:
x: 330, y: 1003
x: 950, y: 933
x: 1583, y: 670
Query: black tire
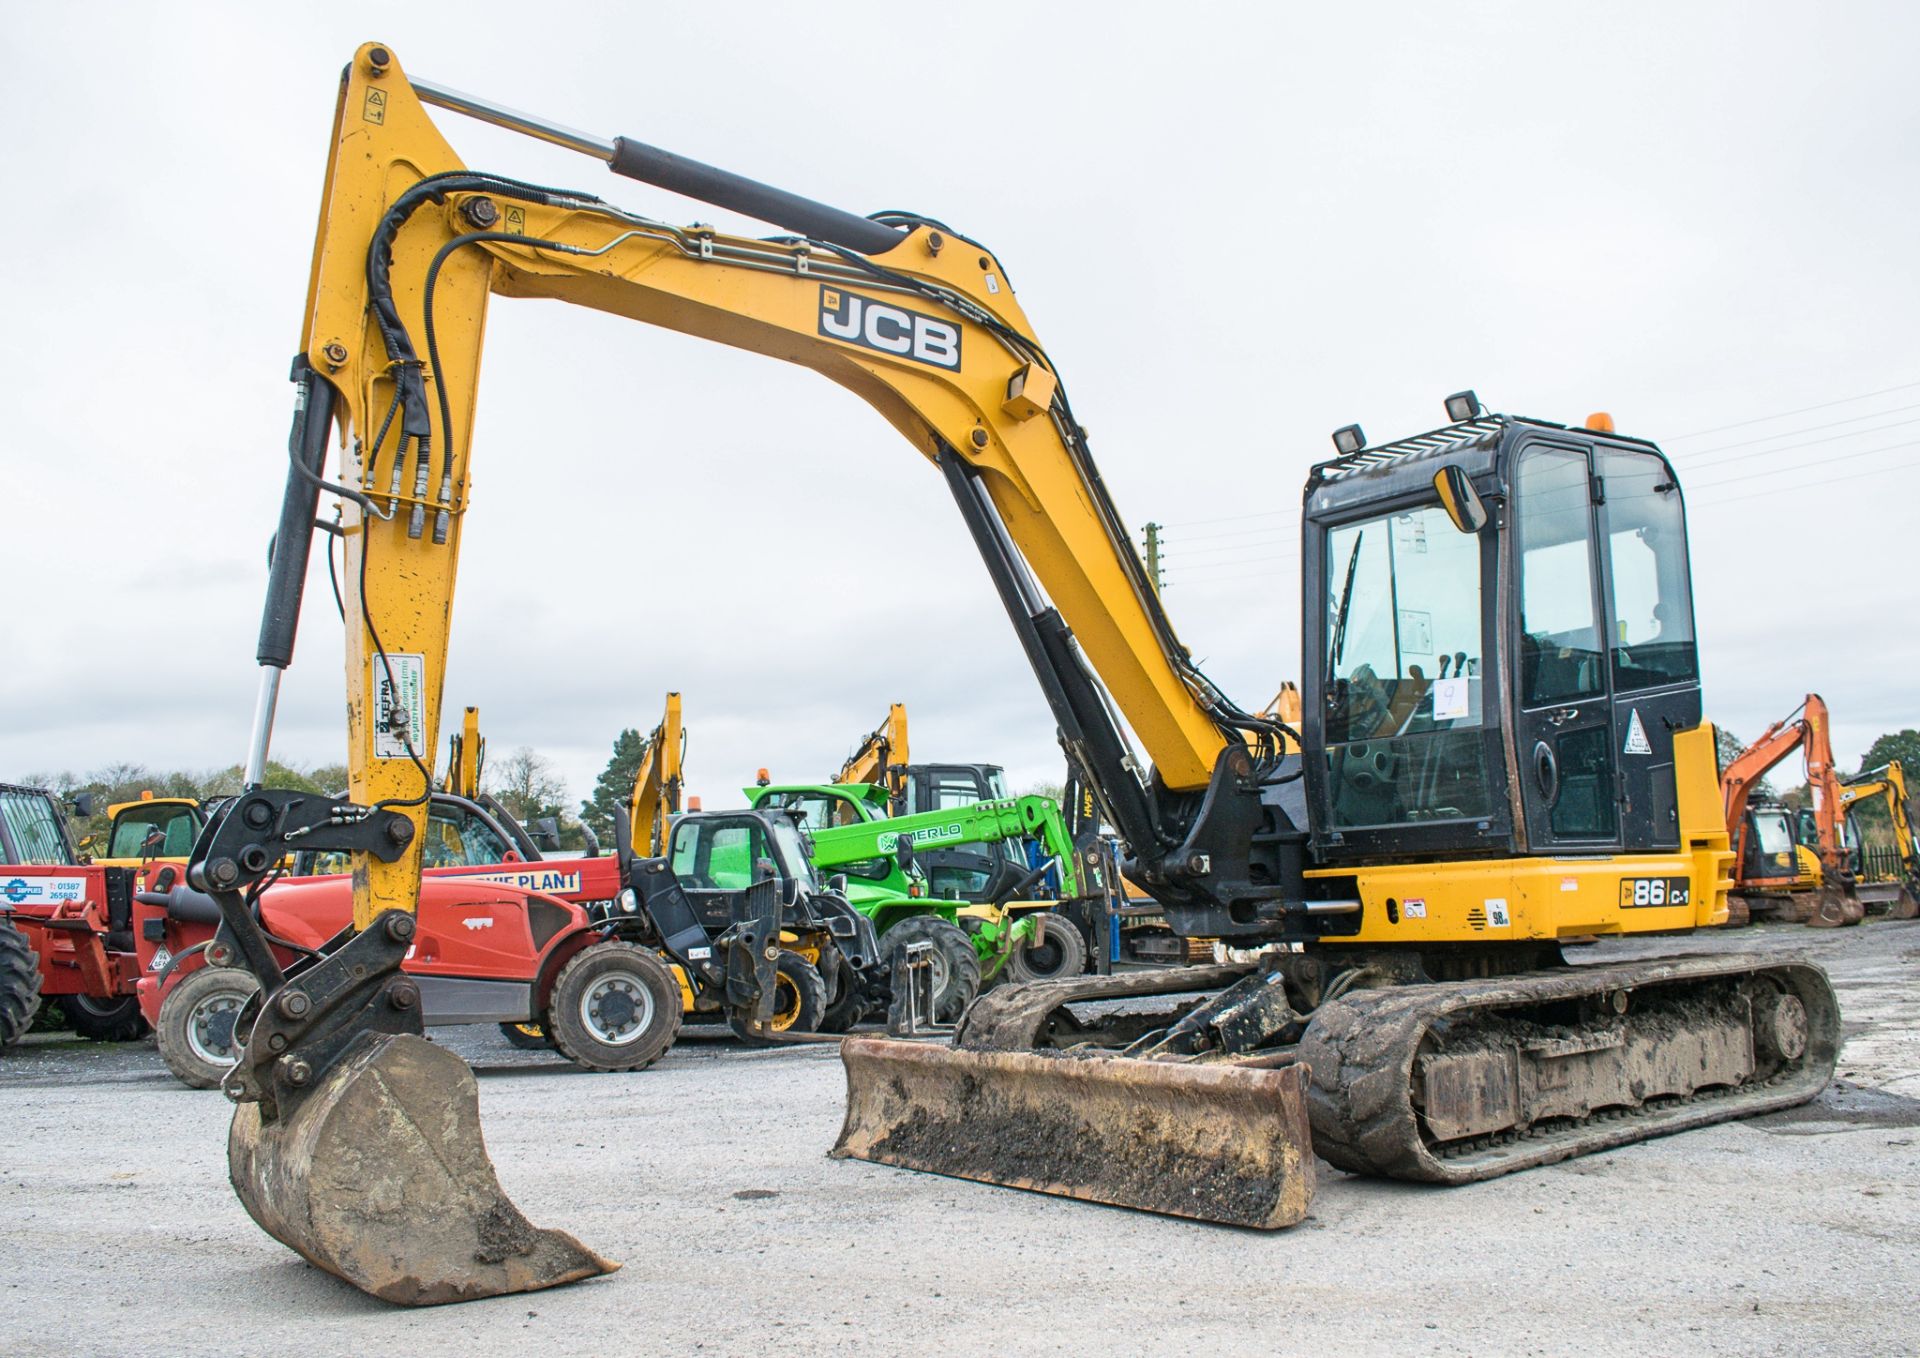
x: 198, y: 1033
x: 527, y: 1037
x: 117, y: 1020
x: 843, y: 1010
x: 956, y: 966
x: 799, y: 1002
x: 19, y: 984
x: 615, y: 1006
x: 1058, y: 952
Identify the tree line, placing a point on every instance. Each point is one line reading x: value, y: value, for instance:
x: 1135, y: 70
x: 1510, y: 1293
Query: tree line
x: 527, y: 784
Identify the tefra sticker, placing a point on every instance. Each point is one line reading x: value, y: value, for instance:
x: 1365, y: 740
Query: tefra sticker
x: 1497, y: 914
x: 410, y: 677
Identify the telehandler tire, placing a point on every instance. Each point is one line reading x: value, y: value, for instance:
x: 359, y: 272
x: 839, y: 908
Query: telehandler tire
x: 843, y: 1011
x: 117, y: 1020
x: 615, y: 1006
x: 198, y: 1032
x: 799, y: 1002
x: 19, y: 984
x: 1058, y: 952
x: 956, y: 966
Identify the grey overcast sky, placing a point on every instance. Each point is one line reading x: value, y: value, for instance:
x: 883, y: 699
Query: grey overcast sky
x: 1235, y: 227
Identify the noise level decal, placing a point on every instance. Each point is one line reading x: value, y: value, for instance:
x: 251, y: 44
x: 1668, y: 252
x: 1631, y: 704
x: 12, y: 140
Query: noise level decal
x: 1637, y: 735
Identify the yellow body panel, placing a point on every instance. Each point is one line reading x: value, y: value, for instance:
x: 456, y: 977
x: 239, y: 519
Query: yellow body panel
x: 1547, y: 898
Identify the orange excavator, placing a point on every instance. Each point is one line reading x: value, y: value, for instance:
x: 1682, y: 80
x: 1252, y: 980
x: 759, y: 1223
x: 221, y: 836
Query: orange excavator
x: 1765, y: 884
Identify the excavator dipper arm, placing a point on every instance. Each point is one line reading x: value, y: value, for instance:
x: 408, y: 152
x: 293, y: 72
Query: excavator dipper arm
x: 882, y: 758
x: 658, y: 783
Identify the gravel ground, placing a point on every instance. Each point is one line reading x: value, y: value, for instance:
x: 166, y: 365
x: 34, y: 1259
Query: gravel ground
x: 707, y: 1175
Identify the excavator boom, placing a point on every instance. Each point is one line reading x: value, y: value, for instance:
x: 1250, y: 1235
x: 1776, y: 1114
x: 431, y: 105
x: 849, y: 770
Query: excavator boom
x: 882, y: 758
x: 658, y: 783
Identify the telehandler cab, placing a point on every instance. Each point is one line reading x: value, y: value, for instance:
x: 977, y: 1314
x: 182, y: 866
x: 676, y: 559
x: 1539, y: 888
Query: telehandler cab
x: 1555, y: 779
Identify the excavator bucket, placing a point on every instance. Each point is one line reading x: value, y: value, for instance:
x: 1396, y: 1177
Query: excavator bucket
x: 380, y: 1176
x: 1226, y: 1143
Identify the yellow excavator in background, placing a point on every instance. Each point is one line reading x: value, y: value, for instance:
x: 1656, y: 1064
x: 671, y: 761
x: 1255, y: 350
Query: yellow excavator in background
x: 466, y: 758
x: 658, y: 784
x: 882, y: 758
x: 1490, y: 765
x: 1889, y: 783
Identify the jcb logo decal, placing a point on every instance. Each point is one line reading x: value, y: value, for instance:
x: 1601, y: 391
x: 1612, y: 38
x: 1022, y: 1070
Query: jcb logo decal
x: 890, y: 329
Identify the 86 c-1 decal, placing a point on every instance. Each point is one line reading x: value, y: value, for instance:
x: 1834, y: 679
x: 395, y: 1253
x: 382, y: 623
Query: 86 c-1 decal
x: 1654, y: 891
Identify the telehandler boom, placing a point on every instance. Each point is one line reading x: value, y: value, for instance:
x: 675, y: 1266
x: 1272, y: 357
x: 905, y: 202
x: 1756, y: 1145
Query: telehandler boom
x: 1455, y: 825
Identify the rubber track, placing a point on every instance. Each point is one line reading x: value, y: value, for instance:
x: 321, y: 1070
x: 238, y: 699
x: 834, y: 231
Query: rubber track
x: 1362, y: 1048
x: 19, y: 984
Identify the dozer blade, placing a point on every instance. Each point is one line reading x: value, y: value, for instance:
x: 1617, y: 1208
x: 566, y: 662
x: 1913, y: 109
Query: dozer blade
x: 380, y: 1176
x: 1214, y: 1142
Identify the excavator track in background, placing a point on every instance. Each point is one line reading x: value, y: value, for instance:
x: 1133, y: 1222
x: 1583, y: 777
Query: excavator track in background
x: 1449, y: 1082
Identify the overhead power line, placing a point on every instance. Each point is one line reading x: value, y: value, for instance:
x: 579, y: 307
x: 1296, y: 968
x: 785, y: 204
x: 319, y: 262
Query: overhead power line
x: 1783, y: 414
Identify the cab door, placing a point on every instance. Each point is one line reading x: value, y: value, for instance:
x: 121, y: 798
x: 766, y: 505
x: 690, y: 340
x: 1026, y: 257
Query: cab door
x: 1563, y: 730
x: 1652, y: 655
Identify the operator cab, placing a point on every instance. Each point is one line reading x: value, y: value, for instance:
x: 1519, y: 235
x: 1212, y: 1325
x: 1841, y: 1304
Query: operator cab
x: 1511, y: 686
x: 1767, y: 848
x: 976, y: 872
x: 717, y: 856
x: 33, y: 831
x: 1806, y: 829
x: 154, y: 827
x: 460, y: 834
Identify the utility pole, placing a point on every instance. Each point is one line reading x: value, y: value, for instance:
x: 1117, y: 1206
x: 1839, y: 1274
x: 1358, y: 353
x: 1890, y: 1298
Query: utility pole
x: 1152, y: 531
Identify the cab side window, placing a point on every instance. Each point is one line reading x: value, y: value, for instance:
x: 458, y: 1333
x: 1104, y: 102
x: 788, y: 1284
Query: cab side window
x: 1653, y: 640
x: 1561, y: 657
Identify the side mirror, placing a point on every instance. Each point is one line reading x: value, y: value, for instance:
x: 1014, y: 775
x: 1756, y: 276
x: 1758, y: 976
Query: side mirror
x: 544, y: 832
x: 903, y: 852
x: 837, y: 884
x: 593, y: 840
x: 1461, y: 501
x: 83, y: 805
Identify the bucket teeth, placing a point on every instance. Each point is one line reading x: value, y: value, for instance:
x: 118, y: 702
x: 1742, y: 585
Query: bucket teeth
x: 381, y: 1177
x: 1213, y: 1142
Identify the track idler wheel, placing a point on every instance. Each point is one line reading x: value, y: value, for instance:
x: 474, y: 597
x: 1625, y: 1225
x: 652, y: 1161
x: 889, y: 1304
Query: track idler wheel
x: 381, y: 1177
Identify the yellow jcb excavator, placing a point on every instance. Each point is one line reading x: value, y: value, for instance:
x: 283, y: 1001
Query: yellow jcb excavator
x: 1491, y: 765
x: 882, y: 758
x: 1889, y: 784
x: 658, y: 783
x: 466, y: 758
